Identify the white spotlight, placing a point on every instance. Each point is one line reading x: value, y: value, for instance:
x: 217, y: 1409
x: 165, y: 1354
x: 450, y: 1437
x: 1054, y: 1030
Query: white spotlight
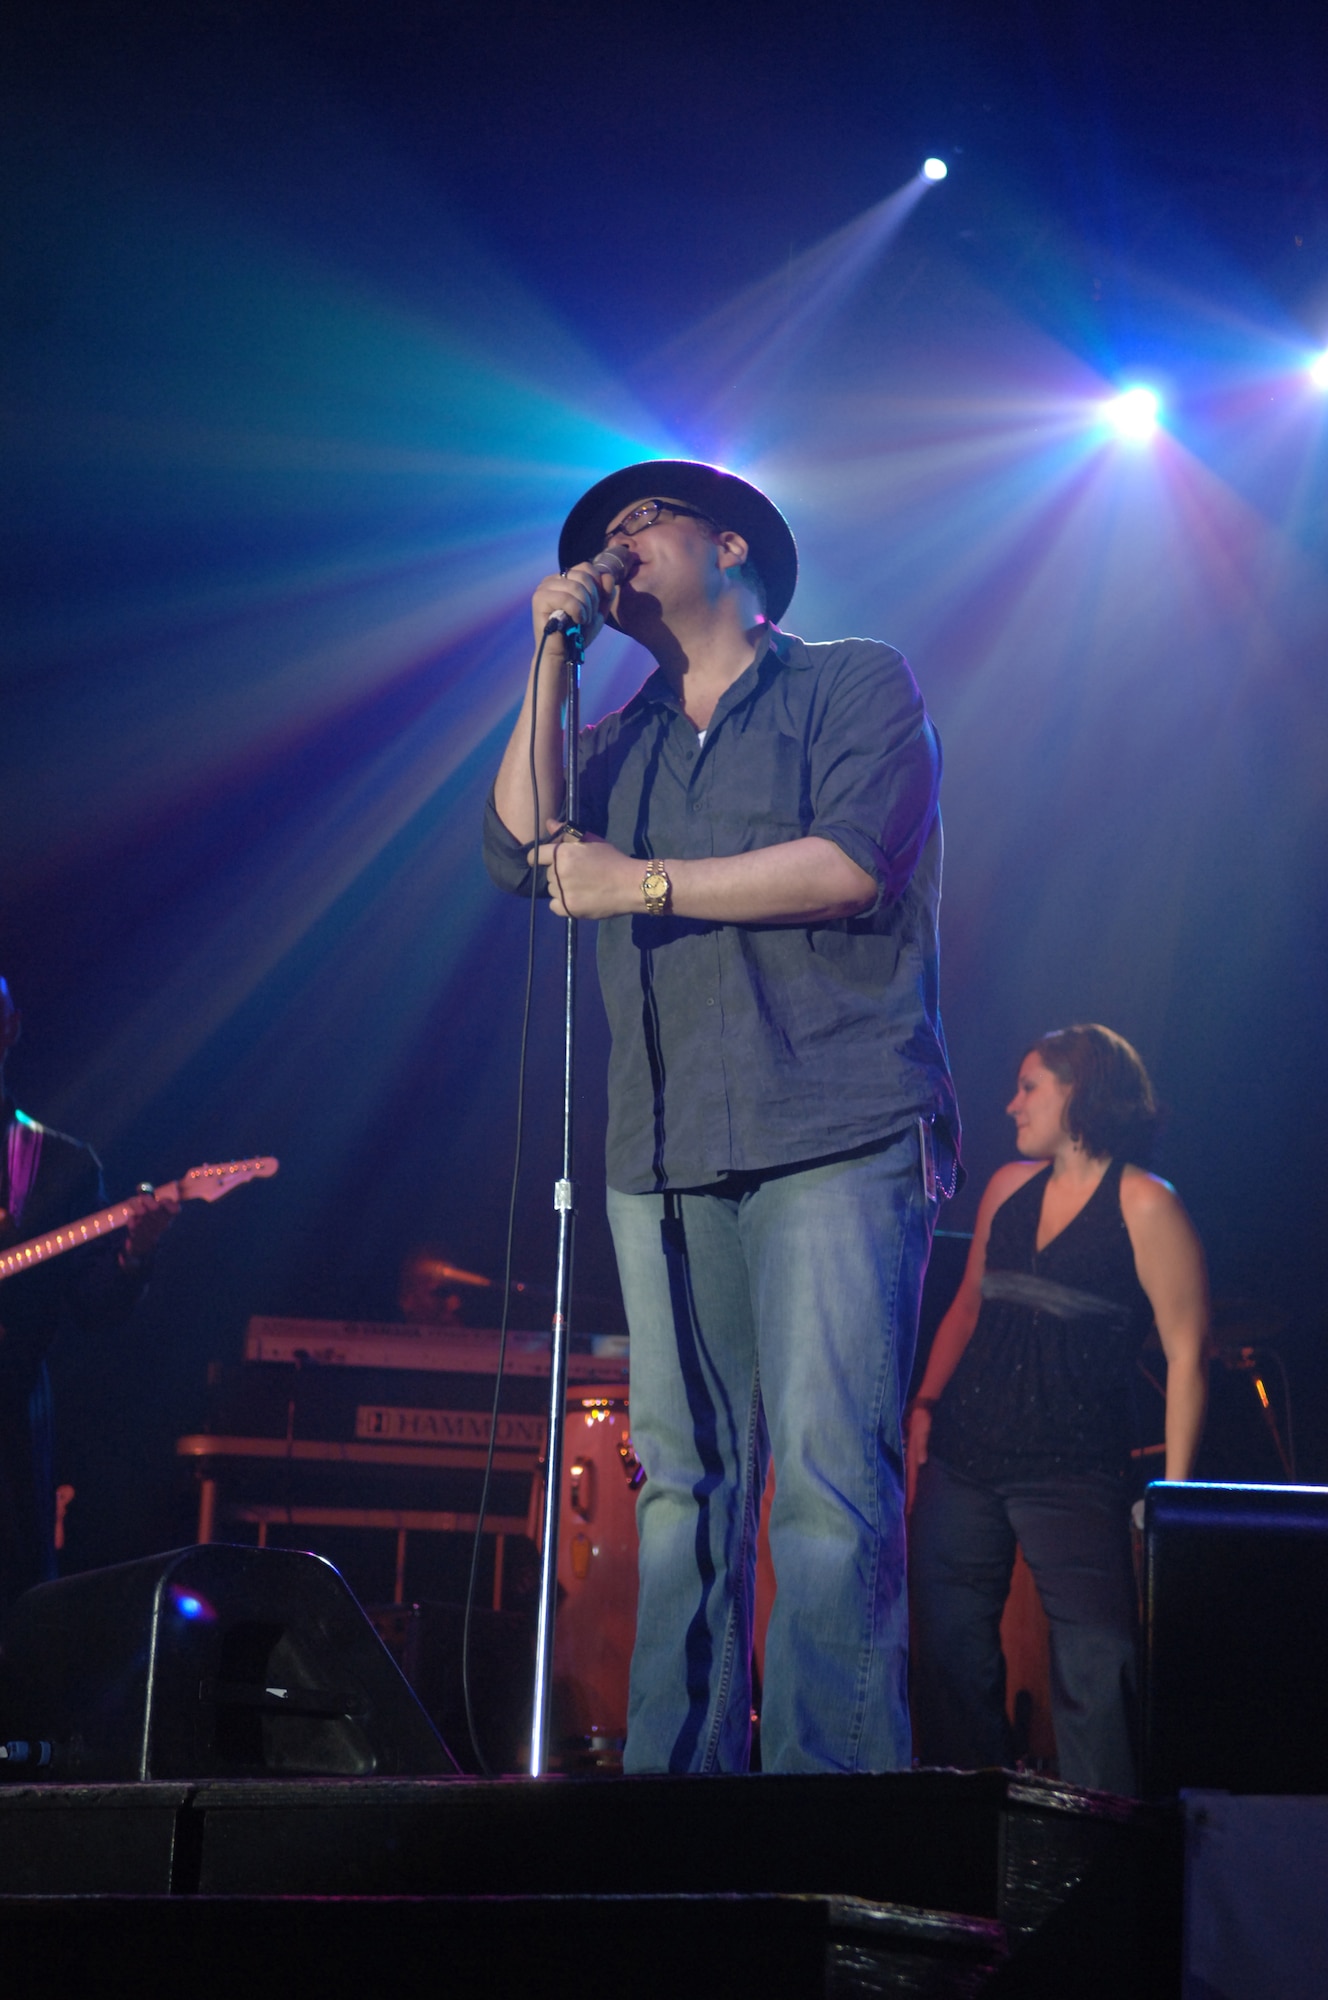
x: 1319, y: 371
x: 934, y: 170
x: 1134, y: 413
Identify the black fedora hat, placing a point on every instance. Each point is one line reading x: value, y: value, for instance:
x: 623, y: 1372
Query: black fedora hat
x: 729, y: 502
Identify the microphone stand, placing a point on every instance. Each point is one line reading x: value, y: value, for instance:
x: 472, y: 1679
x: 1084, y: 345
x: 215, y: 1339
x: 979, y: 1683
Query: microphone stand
x: 564, y: 1202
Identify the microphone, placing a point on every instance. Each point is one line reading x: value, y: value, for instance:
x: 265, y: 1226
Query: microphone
x: 615, y: 563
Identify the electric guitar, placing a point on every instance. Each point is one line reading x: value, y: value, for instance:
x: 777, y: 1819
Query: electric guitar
x: 199, y: 1184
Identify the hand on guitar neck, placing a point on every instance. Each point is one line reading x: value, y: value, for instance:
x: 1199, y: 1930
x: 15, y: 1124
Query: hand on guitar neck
x: 154, y: 1210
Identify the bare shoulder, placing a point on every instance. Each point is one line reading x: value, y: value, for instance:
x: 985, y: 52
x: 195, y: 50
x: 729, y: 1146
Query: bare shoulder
x: 1155, y: 1215
x: 1168, y: 1255
x: 1147, y: 1196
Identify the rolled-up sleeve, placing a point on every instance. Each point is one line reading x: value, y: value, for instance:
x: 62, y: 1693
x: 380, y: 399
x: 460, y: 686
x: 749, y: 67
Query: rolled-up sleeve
x: 875, y: 766
x: 505, y: 856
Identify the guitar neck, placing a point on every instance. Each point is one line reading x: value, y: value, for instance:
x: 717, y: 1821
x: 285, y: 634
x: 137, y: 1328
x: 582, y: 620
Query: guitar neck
x: 86, y: 1230
x: 199, y: 1184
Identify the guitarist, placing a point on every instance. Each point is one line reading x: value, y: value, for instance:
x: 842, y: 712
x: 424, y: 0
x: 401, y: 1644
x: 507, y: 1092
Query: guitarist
x: 47, y: 1180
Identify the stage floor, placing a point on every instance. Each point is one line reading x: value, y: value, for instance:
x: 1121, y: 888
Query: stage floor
x: 921, y: 1882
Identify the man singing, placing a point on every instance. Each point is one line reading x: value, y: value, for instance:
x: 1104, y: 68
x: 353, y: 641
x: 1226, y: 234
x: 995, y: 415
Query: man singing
x: 759, y: 840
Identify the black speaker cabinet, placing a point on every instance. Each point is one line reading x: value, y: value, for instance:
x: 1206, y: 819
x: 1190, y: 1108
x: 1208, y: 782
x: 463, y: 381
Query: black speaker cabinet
x: 209, y: 1662
x: 1236, y: 1639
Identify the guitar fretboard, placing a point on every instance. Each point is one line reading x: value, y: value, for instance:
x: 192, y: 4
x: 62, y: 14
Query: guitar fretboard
x: 68, y: 1238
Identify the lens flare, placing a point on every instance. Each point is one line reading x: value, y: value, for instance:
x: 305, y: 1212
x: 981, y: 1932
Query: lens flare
x: 934, y: 169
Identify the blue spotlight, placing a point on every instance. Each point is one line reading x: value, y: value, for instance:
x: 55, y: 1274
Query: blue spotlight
x: 1319, y: 370
x: 934, y: 170
x: 1134, y: 413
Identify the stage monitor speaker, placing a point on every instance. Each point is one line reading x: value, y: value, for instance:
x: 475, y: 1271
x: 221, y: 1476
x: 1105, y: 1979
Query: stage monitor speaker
x: 209, y: 1662
x: 1235, y: 1694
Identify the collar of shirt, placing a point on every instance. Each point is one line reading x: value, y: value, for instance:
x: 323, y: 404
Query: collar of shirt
x: 657, y: 690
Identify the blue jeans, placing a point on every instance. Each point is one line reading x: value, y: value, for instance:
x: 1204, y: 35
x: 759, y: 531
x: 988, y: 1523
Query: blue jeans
x: 1074, y: 1532
x: 776, y: 1312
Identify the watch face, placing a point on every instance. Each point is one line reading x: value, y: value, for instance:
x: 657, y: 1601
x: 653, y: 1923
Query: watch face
x: 655, y: 889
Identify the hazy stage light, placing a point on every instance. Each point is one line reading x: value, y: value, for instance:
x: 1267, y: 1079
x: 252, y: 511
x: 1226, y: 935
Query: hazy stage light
x: 1319, y: 371
x: 1134, y: 413
x: 934, y: 170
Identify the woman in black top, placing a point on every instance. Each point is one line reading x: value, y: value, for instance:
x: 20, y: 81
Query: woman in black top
x: 1020, y: 1428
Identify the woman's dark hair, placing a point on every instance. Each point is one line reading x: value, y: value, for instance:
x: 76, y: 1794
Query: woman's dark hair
x: 1111, y: 1109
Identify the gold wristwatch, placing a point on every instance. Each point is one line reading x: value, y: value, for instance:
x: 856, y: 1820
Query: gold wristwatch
x: 655, y: 888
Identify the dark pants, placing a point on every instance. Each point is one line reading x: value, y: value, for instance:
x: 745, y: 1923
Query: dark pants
x: 1074, y: 1532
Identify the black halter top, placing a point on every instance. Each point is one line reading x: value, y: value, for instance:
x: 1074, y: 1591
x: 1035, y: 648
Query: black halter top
x: 1044, y: 1385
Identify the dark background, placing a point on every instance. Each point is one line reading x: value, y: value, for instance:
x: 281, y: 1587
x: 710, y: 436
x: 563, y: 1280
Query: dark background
x: 318, y: 318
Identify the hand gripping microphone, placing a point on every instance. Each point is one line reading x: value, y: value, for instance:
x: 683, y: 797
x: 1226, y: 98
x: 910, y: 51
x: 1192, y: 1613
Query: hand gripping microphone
x: 615, y: 563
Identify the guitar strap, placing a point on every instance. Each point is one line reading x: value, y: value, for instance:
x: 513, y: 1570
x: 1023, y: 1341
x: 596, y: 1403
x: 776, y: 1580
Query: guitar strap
x: 24, y: 1157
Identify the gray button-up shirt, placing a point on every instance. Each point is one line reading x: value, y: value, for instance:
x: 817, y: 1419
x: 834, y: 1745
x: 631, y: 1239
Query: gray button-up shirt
x: 740, y: 1047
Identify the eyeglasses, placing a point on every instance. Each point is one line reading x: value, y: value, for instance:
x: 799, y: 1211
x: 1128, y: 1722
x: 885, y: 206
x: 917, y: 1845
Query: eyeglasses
x: 646, y: 515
